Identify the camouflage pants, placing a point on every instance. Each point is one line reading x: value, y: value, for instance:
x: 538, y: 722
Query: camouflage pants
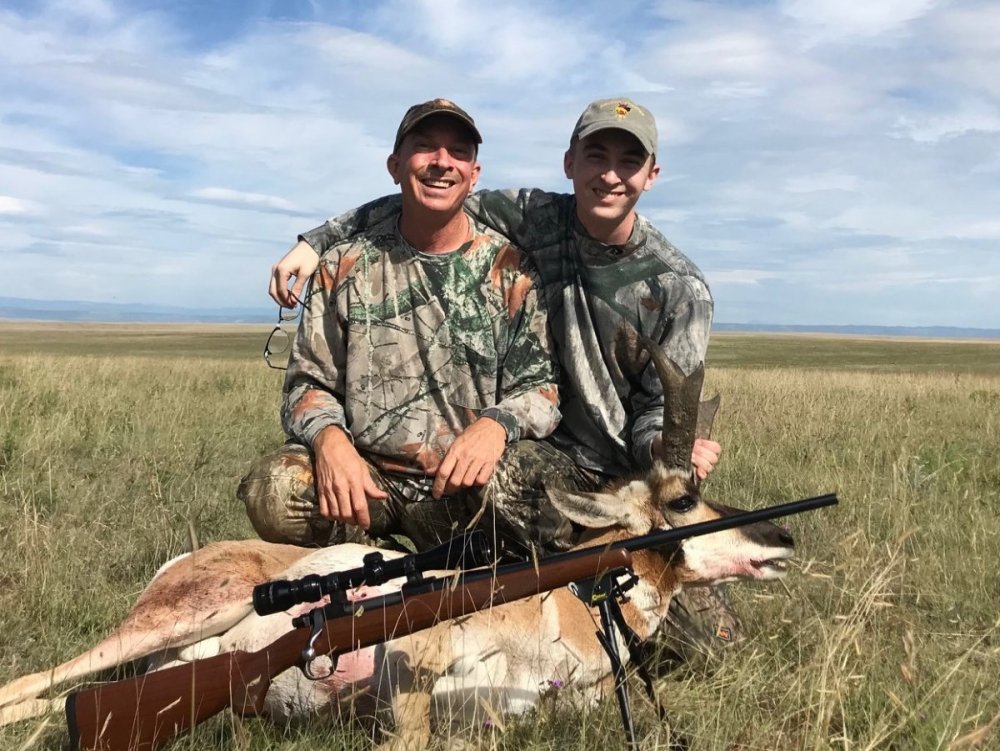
x: 280, y: 498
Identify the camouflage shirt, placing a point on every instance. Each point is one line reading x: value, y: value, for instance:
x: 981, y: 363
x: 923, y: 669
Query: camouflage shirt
x: 404, y: 350
x: 598, y: 296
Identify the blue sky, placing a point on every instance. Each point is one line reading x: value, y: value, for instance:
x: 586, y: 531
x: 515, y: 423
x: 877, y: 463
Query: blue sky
x: 824, y: 162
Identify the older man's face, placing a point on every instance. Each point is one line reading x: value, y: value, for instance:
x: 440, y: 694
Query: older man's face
x: 436, y: 165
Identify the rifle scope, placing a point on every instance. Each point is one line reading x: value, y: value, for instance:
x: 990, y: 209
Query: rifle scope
x: 470, y: 550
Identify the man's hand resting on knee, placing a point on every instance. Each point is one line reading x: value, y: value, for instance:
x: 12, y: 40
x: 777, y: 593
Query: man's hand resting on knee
x: 471, y: 458
x: 343, y: 482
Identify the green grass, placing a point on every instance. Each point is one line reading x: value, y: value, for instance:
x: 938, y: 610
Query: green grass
x: 113, y: 443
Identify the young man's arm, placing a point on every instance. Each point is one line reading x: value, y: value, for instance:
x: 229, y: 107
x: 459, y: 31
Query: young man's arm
x: 527, y: 217
x: 312, y: 410
x: 301, y: 261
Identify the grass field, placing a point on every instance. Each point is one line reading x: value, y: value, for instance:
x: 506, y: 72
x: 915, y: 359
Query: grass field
x: 115, y: 441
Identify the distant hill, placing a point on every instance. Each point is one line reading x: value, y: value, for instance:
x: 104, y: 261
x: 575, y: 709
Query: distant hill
x: 926, y: 332
x: 17, y: 308
x: 77, y: 310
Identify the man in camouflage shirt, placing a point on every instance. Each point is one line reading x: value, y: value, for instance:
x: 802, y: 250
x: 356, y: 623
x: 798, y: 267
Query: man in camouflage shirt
x: 422, y: 353
x: 607, y: 272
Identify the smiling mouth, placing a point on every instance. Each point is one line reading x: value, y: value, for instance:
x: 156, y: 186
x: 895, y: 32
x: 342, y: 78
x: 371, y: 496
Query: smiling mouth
x: 606, y: 193
x: 437, y: 184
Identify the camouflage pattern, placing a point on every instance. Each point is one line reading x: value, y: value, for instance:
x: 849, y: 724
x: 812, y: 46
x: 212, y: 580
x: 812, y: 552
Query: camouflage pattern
x: 280, y: 497
x: 404, y: 350
x: 611, y: 399
x: 598, y: 296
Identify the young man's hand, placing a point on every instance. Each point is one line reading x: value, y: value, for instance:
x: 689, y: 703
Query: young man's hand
x: 343, y: 482
x: 299, y: 263
x: 704, y: 455
x: 471, y: 458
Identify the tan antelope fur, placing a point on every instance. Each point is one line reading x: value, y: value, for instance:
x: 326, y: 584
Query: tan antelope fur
x: 502, y: 659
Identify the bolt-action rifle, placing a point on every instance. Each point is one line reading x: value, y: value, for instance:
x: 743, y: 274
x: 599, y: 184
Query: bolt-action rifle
x: 142, y: 713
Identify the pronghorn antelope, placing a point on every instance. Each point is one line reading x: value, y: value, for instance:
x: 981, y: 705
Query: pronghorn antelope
x: 504, y: 658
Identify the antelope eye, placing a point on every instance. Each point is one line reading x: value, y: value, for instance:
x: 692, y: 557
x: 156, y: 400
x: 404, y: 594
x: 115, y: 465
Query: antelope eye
x: 683, y: 504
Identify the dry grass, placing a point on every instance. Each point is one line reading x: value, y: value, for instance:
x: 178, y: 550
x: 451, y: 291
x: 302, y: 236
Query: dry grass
x: 886, y: 637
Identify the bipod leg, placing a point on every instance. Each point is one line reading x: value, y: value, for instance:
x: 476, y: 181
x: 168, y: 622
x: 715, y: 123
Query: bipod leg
x: 610, y: 644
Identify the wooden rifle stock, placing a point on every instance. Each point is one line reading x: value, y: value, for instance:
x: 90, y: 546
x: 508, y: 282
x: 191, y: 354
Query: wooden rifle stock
x: 141, y: 713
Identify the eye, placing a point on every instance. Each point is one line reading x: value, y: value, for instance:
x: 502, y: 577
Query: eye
x: 682, y: 505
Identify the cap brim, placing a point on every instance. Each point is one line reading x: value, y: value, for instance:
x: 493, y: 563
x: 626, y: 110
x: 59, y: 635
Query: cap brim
x: 598, y: 127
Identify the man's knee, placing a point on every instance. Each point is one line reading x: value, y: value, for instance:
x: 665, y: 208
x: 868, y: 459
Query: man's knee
x: 280, y: 498
x: 518, y: 507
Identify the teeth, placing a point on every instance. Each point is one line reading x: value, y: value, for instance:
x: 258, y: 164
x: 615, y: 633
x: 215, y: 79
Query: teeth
x: 777, y: 563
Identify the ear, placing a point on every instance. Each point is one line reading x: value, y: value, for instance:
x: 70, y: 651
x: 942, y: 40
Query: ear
x: 392, y: 164
x: 654, y: 172
x: 476, y: 169
x: 600, y: 510
x: 568, y: 163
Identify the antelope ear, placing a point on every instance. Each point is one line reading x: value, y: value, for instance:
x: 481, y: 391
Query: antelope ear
x: 599, y: 510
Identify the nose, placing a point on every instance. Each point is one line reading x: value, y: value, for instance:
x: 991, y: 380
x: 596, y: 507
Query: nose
x: 441, y: 158
x: 610, y: 176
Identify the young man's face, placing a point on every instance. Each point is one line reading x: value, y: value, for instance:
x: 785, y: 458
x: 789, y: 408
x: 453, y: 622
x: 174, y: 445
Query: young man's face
x: 436, y: 165
x: 610, y: 170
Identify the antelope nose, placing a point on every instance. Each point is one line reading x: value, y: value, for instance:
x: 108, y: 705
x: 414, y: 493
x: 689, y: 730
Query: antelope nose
x: 785, y: 537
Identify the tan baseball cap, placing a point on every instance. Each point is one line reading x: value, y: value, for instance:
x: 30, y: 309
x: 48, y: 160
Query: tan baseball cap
x: 419, y: 112
x: 621, y: 114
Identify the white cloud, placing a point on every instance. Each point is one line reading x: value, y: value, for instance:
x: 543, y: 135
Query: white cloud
x: 226, y: 195
x: 11, y: 205
x: 817, y: 182
x: 839, y: 19
x: 935, y: 128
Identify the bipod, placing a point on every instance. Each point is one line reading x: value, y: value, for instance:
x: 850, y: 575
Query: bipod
x: 604, y: 593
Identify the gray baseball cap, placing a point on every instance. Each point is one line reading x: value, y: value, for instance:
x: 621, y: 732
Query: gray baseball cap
x: 621, y: 114
x: 419, y: 112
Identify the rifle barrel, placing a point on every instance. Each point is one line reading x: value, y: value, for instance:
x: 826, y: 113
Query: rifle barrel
x: 663, y: 537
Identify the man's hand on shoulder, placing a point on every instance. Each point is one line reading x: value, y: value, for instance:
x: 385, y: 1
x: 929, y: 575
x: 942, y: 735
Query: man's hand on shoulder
x: 299, y: 263
x: 471, y: 459
x: 343, y: 482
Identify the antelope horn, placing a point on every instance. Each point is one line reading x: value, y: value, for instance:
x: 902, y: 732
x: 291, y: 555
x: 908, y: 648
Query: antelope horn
x: 680, y: 407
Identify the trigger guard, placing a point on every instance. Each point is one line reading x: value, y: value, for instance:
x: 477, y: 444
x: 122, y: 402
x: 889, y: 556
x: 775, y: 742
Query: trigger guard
x: 311, y: 674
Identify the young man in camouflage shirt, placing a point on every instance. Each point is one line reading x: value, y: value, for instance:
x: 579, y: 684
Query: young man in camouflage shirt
x: 607, y: 272
x: 423, y: 352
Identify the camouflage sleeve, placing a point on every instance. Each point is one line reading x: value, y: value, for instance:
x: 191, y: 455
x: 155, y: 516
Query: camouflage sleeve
x: 684, y: 339
x: 314, y: 382
x: 351, y: 223
x: 528, y: 217
x: 529, y: 397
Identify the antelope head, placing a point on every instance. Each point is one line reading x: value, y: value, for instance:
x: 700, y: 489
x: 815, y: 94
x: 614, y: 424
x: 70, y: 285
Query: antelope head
x: 669, y: 496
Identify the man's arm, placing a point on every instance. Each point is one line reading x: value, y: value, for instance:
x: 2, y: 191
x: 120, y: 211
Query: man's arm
x: 528, y: 217
x: 301, y: 261
x: 313, y: 409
